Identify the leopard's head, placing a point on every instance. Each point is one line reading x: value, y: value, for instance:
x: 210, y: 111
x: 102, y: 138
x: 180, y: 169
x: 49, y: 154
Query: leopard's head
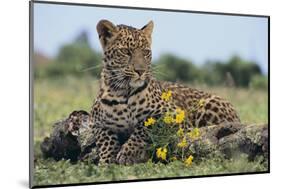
x: 127, y: 54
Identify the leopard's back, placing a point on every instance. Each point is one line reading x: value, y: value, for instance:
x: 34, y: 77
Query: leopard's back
x: 202, y: 108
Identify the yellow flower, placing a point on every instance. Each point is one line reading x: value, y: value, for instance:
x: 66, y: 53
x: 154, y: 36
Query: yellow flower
x: 179, y: 116
x: 182, y: 144
x: 201, y: 102
x: 179, y: 111
x: 168, y: 119
x: 161, y: 153
x: 149, y: 121
x: 166, y: 95
x: 180, y: 132
x: 194, y: 134
x: 188, y: 161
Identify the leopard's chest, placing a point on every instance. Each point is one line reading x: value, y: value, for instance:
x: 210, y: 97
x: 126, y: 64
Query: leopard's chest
x: 121, y: 117
x: 124, y: 115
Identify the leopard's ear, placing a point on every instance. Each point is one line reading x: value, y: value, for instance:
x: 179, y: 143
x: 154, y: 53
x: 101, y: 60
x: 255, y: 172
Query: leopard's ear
x: 106, y: 31
x: 147, y: 30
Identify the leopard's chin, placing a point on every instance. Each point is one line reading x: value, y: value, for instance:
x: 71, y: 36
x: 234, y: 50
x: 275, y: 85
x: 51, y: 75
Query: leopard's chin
x: 137, y: 83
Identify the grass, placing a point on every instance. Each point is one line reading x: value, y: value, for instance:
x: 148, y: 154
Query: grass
x: 63, y: 172
x: 55, y: 99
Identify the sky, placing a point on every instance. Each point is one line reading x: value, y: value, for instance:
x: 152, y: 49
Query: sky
x: 193, y: 36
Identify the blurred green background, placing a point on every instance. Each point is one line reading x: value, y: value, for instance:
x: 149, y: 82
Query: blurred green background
x: 79, y: 59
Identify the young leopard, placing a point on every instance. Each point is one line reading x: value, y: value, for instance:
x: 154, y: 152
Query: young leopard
x: 129, y: 94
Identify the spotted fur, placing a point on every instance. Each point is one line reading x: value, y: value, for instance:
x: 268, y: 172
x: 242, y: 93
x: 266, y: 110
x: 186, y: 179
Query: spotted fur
x: 129, y: 94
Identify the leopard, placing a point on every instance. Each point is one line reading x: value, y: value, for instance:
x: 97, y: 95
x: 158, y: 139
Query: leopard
x: 129, y: 94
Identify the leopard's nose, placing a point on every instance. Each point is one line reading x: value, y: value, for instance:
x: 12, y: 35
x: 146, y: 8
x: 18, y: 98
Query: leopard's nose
x: 139, y: 71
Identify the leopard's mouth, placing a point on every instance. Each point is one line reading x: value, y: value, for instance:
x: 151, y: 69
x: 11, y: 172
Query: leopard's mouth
x: 137, y: 83
x: 138, y: 80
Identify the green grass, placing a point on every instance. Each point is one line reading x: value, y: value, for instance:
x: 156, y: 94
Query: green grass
x: 55, y: 99
x: 63, y: 172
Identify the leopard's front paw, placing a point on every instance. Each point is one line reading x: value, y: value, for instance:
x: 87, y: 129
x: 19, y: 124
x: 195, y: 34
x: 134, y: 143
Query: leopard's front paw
x: 127, y: 156
x: 124, y: 157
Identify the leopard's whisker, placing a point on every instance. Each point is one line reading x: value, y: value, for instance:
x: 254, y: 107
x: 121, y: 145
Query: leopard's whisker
x: 115, y: 77
x: 159, y: 72
x: 114, y: 74
x: 118, y: 84
x: 155, y: 66
x: 91, y: 68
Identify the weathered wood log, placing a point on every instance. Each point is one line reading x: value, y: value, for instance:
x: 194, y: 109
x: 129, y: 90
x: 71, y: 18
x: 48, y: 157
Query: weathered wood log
x: 69, y: 137
x: 233, y: 139
x: 72, y: 140
x: 61, y: 143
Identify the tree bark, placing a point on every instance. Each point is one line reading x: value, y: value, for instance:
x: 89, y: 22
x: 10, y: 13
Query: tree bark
x: 233, y: 139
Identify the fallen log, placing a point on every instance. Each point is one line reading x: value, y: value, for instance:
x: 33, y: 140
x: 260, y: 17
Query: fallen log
x: 74, y: 140
x: 233, y: 139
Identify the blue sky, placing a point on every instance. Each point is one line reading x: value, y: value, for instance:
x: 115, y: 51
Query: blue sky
x: 197, y: 37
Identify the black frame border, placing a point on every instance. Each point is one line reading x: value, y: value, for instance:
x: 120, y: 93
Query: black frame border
x: 31, y: 51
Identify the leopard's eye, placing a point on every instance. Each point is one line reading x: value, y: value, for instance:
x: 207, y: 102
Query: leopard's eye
x: 146, y: 52
x: 125, y: 51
